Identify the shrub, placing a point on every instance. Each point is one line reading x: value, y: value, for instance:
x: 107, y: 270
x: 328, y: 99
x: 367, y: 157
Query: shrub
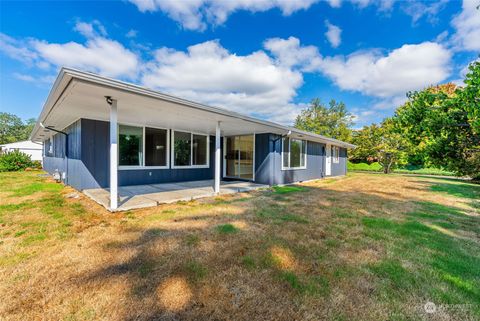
x: 15, y: 161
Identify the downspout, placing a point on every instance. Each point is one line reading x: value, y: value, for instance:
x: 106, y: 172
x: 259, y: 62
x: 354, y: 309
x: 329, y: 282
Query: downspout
x: 66, y: 148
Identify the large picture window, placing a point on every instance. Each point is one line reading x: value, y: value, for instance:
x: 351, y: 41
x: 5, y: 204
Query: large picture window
x: 130, y: 142
x: 189, y: 149
x: 142, y: 147
x: 156, y: 147
x: 294, y: 153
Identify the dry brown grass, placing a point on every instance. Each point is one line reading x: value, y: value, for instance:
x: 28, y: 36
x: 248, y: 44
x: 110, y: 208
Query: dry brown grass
x: 295, y: 256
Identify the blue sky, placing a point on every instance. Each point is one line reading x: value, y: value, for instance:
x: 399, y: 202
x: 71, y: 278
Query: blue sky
x: 267, y: 58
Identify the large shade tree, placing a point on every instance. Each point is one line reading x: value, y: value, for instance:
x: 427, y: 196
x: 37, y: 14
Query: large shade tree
x: 444, y: 120
x: 13, y: 129
x: 333, y: 120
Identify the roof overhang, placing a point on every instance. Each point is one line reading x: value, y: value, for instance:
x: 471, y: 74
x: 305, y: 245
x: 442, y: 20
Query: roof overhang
x: 77, y: 94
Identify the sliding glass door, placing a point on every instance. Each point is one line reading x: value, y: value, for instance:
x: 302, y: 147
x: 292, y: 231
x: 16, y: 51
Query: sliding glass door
x: 239, y: 157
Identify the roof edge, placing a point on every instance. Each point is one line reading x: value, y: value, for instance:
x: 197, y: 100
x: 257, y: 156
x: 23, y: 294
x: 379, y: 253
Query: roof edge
x: 67, y: 74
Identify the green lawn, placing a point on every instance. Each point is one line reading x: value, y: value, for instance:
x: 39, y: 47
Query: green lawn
x: 376, y: 167
x: 362, y: 247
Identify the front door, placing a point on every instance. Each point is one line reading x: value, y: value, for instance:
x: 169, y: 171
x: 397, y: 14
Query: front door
x: 328, y: 160
x: 239, y: 157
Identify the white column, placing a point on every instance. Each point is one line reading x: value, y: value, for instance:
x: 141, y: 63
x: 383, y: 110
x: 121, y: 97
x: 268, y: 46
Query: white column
x: 217, y: 158
x: 113, y: 156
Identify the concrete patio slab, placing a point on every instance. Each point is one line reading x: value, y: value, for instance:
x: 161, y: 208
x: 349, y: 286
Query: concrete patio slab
x: 141, y: 196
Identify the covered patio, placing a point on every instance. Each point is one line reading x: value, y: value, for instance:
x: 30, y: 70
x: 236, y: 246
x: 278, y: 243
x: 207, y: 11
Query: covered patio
x: 141, y: 196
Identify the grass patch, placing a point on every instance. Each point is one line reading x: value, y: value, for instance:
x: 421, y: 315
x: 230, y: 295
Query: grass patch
x: 195, y: 271
x: 35, y: 188
x: 376, y: 167
x: 462, y: 190
x: 192, y: 240
x: 287, y: 189
x: 226, y: 229
x: 277, y: 213
x: 145, y: 268
x: 316, y: 286
x: 248, y: 262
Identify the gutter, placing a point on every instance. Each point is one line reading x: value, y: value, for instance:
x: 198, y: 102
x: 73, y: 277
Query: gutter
x: 132, y: 88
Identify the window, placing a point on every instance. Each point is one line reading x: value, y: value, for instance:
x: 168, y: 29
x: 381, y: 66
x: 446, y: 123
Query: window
x: 130, y: 142
x: 294, y: 153
x: 199, y: 150
x: 190, y: 149
x: 336, y: 154
x: 156, y: 147
x: 48, y: 147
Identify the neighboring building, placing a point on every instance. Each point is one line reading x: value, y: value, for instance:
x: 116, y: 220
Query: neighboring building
x: 100, y: 132
x: 27, y: 147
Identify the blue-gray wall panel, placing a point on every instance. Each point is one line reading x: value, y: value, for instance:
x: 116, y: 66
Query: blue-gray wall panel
x: 263, y: 164
x: 95, y: 151
x: 315, y: 164
x: 340, y: 168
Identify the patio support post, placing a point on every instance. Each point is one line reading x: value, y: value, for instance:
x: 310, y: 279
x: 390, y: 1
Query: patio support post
x: 217, y: 159
x: 113, y: 155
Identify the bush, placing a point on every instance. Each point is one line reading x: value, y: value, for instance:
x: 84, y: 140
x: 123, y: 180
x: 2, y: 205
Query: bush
x: 374, y: 167
x: 15, y: 161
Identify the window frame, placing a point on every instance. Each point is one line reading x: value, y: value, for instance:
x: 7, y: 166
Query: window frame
x: 172, y: 153
x: 284, y: 168
x: 335, y: 156
x: 136, y: 167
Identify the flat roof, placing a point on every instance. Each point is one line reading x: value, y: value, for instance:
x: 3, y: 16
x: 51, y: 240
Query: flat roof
x: 68, y: 78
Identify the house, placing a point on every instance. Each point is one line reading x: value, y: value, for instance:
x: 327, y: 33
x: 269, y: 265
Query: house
x: 27, y: 147
x: 104, y: 133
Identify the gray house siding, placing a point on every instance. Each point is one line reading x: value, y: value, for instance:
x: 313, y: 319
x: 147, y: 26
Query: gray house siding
x: 87, y: 165
x: 268, y: 162
x: 340, y: 168
x: 88, y: 159
x: 315, y: 164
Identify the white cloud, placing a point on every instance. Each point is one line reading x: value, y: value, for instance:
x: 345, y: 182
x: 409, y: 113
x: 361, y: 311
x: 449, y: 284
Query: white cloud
x: 420, y: 9
x: 90, y: 30
x: 407, y: 68
x: 289, y: 52
x: 333, y: 34
x: 97, y: 54
x: 208, y: 73
x: 131, y: 33
x: 196, y: 14
x: 33, y: 79
x: 17, y: 49
x: 335, y: 3
x: 467, y: 26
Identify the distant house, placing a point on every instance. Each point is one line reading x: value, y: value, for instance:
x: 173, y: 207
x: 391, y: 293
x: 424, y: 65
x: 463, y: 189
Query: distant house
x: 104, y: 133
x: 27, y: 147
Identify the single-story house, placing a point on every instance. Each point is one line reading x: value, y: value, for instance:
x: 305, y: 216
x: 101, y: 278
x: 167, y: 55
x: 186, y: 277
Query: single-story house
x: 25, y: 146
x: 104, y: 133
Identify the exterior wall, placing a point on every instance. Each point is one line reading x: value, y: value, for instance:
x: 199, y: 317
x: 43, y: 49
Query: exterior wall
x: 268, y: 162
x: 88, y: 158
x: 69, y: 164
x: 340, y: 168
x: 87, y: 165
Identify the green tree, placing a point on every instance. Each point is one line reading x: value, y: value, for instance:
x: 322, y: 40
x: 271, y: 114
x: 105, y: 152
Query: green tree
x: 11, y: 128
x: 392, y: 148
x: 332, y: 121
x: 439, y: 121
x: 367, y: 140
x: 469, y: 96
